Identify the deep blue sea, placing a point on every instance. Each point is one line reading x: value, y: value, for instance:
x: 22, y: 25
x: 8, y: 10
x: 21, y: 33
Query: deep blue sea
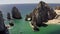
x: 23, y: 8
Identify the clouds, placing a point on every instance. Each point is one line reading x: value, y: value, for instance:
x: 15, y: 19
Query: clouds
x: 26, y: 1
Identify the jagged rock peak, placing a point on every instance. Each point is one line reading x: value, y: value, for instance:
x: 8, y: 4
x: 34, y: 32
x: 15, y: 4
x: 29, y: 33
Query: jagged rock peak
x: 41, y: 4
x: 15, y: 13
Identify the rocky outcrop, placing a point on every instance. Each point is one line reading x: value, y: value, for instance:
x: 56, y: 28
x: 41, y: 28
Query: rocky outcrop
x: 2, y: 25
x: 1, y: 14
x: 28, y: 17
x: 11, y: 23
x: 42, y: 13
x: 8, y: 16
x: 3, y: 29
x: 57, y: 8
x: 15, y: 13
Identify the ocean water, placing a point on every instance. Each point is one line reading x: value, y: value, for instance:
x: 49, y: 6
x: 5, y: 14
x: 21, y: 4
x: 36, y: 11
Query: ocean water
x: 23, y: 8
x: 22, y: 26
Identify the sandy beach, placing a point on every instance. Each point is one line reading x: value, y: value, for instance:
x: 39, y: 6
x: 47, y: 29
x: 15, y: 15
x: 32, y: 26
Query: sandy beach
x: 56, y: 20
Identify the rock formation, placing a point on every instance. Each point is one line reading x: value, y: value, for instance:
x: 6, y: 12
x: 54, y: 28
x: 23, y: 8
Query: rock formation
x: 3, y: 29
x: 15, y: 13
x: 11, y: 23
x: 57, y: 8
x: 42, y: 13
x: 8, y: 16
x: 1, y: 14
x: 28, y: 17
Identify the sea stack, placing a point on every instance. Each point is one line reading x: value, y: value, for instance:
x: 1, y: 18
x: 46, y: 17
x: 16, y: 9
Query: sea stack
x: 42, y: 13
x: 3, y: 29
x: 8, y: 16
x: 15, y: 13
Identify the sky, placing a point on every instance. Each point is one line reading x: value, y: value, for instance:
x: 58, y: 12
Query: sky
x: 27, y: 1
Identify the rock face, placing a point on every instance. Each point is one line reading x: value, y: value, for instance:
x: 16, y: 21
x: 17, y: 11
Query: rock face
x: 8, y: 16
x: 15, y: 13
x: 42, y: 13
x: 11, y: 23
x: 3, y: 29
x: 27, y: 17
x: 1, y: 14
x: 57, y: 8
x: 2, y: 25
x: 30, y: 15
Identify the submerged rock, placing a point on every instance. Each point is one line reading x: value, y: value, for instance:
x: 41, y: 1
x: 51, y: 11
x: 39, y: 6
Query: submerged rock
x: 11, y: 23
x: 15, y: 13
x: 8, y: 16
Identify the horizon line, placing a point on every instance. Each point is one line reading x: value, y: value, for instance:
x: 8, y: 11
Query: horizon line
x: 28, y: 3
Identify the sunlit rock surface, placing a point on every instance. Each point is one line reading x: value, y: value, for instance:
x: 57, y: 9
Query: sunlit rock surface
x: 42, y: 13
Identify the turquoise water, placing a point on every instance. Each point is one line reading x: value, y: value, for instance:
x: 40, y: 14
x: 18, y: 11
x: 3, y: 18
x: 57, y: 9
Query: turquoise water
x: 23, y: 27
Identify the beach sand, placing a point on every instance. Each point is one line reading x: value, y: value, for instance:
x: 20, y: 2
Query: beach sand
x: 56, y: 20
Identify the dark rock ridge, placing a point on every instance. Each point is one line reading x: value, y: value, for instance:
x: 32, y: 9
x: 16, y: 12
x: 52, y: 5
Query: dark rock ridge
x: 42, y: 13
x: 1, y: 14
x: 15, y: 13
x: 8, y: 16
x: 3, y: 29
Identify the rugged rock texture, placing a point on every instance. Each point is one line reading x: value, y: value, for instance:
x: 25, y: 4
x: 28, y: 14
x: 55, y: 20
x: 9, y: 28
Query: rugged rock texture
x: 15, y: 13
x: 57, y: 8
x: 1, y: 14
x: 3, y: 29
x: 28, y: 16
x: 11, y: 23
x: 42, y: 13
x: 8, y: 16
x: 2, y: 25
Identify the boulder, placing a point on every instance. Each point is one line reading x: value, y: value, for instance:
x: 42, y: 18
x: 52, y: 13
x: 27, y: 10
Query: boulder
x: 15, y: 13
x: 11, y: 23
x: 28, y: 17
x: 8, y: 16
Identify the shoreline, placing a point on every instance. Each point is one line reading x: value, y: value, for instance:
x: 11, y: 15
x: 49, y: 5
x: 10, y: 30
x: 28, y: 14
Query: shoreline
x: 56, y: 20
